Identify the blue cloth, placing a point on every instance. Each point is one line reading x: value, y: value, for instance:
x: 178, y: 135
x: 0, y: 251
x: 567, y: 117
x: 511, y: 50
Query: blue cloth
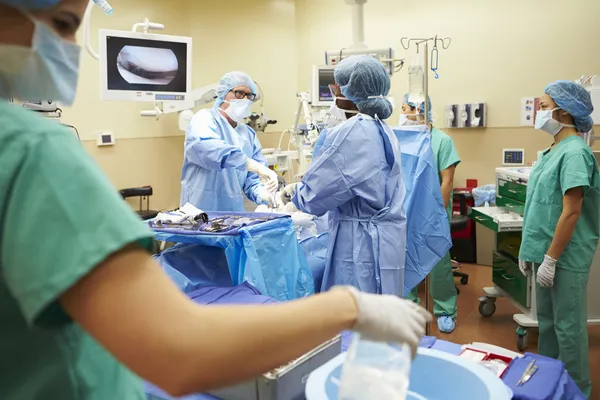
x: 575, y: 100
x: 319, y: 145
x: 358, y: 179
x: 214, y: 175
x: 364, y: 81
x: 266, y: 255
x: 427, y: 232
x: 315, y: 250
x: 232, y: 80
x: 421, y: 106
x: 545, y: 384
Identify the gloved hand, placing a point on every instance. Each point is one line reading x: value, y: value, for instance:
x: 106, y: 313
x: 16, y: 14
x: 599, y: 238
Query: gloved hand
x: 525, y: 267
x: 388, y: 318
x: 288, y: 192
x: 264, y: 196
x: 545, y: 274
x: 267, y: 176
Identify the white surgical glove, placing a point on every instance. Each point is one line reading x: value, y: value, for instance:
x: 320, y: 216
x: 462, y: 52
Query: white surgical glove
x: 288, y: 192
x: 545, y: 274
x: 267, y: 176
x: 389, y: 318
x: 525, y: 267
x: 264, y: 196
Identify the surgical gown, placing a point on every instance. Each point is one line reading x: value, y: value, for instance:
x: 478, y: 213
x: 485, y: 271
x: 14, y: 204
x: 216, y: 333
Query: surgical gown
x: 214, y: 175
x: 562, y: 309
x: 358, y: 179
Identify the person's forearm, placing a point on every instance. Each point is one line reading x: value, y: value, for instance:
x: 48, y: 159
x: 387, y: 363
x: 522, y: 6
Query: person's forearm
x: 446, y: 192
x: 562, y: 235
x: 213, y: 340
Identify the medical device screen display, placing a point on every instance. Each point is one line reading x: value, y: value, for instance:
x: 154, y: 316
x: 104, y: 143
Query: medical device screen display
x: 325, y: 79
x: 513, y: 157
x: 146, y: 65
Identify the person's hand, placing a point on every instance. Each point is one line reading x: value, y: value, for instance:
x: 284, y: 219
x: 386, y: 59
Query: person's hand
x: 388, y: 318
x: 545, y: 274
x: 265, y: 197
x: 267, y: 176
x: 288, y: 192
x: 525, y: 267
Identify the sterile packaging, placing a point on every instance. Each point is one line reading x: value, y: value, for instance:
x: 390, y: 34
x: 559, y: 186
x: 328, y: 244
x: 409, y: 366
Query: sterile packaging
x: 496, y: 363
x: 375, y: 370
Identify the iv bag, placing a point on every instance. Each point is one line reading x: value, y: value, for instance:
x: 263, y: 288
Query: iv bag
x: 416, y: 80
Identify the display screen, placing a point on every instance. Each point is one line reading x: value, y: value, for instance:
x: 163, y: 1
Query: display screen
x: 325, y: 79
x: 146, y: 65
x: 513, y: 157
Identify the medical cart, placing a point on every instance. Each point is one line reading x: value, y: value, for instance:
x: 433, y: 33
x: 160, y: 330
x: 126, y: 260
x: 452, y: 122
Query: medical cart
x: 506, y: 219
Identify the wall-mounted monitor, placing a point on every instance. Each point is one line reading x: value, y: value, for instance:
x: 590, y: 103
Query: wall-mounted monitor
x: 138, y: 66
x: 322, y: 78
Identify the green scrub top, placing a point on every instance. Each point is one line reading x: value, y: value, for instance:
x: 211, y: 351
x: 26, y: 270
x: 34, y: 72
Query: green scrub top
x: 569, y: 165
x: 445, y: 155
x: 59, y: 218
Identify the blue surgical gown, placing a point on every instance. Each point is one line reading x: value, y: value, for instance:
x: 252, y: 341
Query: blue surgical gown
x: 358, y: 179
x: 214, y: 175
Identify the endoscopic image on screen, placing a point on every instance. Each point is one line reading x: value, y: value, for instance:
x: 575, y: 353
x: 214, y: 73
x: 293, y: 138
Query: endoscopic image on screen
x: 147, y: 65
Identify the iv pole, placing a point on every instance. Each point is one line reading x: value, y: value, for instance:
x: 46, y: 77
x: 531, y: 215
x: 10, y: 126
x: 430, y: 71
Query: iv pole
x: 425, y: 43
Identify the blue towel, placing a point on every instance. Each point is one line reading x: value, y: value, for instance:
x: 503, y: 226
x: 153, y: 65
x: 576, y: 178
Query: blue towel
x: 427, y: 341
x: 542, y: 385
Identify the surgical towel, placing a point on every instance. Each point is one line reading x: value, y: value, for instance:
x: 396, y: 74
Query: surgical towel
x: 315, y: 250
x: 241, y: 294
x: 542, y: 385
x: 427, y: 229
x: 427, y: 341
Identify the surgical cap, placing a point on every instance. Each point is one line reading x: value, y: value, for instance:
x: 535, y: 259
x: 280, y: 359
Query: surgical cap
x: 421, y: 105
x: 232, y: 80
x: 575, y: 100
x: 361, y: 78
x: 30, y: 4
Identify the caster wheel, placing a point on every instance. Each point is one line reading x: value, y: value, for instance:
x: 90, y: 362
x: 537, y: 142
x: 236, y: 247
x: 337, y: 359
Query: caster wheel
x: 464, y: 280
x: 522, y: 342
x: 487, y: 308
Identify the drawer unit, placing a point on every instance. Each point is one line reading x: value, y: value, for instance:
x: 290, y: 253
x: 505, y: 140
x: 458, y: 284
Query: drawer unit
x: 509, y: 244
x: 507, y: 276
x: 512, y: 190
x: 511, y: 204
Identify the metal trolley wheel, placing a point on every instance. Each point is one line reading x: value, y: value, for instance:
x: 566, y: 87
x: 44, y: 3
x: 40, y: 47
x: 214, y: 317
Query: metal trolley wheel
x: 487, y: 306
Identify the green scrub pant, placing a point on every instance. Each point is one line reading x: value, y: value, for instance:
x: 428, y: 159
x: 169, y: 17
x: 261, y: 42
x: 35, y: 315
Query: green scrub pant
x: 562, y: 320
x: 442, y: 287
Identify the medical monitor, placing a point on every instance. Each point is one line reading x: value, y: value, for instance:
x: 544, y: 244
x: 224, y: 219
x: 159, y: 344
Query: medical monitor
x: 138, y: 66
x: 322, y: 78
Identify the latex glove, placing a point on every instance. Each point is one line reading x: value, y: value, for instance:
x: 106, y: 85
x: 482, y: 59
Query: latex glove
x: 267, y: 176
x: 525, y: 267
x: 545, y: 274
x: 388, y: 318
x: 288, y: 192
x: 264, y: 196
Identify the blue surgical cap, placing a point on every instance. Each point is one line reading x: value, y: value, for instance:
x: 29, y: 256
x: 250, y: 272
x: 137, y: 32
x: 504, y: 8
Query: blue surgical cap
x: 30, y: 4
x: 421, y: 105
x: 232, y: 80
x: 362, y: 77
x: 575, y: 100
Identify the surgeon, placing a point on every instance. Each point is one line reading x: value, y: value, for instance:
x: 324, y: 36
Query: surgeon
x: 223, y: 158
x: 561, y: 227
x: 441, y: 279
x: 84, y: 310
x: 357, y: 179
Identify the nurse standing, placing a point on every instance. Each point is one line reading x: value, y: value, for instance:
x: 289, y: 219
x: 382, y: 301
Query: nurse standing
x: 561, y: 227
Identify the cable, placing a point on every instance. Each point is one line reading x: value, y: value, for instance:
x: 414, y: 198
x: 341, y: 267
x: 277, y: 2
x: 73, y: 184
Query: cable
x: 72, y: 127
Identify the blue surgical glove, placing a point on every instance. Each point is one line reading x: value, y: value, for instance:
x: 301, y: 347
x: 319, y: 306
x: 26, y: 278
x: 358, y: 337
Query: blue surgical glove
x: 525, y: 267
x: 545, y: 274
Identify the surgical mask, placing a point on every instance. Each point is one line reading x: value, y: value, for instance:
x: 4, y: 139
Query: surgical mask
x: 48, y: 70
x: 238, y: 109
x: 404, y: 121
x: 339, y: 114
x: 545, y: 122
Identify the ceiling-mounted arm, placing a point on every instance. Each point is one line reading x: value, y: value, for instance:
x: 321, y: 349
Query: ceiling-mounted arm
x: 358, y: 23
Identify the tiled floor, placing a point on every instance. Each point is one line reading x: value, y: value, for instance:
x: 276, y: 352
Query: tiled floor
x: 500, y: 328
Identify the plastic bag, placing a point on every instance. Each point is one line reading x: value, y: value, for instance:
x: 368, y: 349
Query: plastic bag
x: 485, y: 194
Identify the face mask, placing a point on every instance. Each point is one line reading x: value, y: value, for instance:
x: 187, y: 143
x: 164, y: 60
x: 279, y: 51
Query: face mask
x: 339, y: 114
x: 545, y: 122
x: 48, y: 70
x: 238, y: 109
x: 404, y: 121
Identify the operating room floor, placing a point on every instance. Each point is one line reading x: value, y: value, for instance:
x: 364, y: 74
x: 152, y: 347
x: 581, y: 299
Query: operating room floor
x: 499, y: 329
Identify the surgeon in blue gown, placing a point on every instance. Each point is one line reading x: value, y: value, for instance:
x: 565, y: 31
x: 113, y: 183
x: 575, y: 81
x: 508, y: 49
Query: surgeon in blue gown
x: 357, y: 179
x: 223, y: 158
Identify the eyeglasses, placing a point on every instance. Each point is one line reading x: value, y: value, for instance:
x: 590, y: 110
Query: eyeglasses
x: 240, y: 94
